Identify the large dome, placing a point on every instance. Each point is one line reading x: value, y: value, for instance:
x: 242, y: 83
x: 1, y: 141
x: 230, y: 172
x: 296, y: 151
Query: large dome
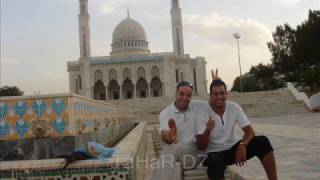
x: 129, y: 37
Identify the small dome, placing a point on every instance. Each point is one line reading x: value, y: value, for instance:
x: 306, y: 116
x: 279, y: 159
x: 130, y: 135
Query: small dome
x: 129, y: 37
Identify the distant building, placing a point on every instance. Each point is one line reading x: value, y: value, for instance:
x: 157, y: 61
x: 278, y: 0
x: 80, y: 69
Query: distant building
x: 131, y: 70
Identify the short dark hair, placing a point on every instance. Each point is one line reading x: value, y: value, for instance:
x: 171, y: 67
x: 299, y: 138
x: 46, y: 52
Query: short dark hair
x: 184, y: 84
x: 217, y: 82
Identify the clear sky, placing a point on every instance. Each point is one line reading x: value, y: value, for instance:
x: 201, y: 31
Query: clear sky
x: 38, y: 37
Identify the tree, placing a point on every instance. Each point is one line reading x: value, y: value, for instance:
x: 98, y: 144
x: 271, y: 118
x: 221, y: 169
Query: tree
x: 296, y: 52
x: 307, y: 46
x: 281, y: 49
x: 310, y: 79
x: 249, y: 83
x: 10, y: 91
x: 260, y: 78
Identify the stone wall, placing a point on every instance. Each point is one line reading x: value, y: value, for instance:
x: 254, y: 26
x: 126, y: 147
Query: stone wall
x: 46, y: 126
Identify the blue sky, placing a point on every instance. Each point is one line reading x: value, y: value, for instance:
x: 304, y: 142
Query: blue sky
x: 38, y: 37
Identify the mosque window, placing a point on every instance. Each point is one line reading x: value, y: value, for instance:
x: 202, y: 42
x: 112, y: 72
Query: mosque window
x: 177, y: 75
x: 97, y: 75
x: 141, y: 73
x: 155, y: 72
x: 195, y: 80
x: 181, y: 76
x: 77, y: 86
x: 126, y: 73
x: 112, y: 74
x: 178, y: 41
x: 80, y: 84
x: 83, y: 9
x: 84, y: 45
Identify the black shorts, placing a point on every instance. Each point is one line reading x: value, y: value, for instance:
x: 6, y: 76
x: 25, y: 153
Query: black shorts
x: 259, y: 146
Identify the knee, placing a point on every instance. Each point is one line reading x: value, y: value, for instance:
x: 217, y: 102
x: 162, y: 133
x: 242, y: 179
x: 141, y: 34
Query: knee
x: 262, y: 141
x: 215, y: 161
x: 262, y: 145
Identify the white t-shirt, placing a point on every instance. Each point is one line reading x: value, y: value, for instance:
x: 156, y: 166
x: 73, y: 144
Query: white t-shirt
x: 222, y: 136
x: 185, y: 122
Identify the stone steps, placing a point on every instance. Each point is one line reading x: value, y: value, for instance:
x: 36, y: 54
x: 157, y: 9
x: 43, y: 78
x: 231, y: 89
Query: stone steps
x: 255, y: 104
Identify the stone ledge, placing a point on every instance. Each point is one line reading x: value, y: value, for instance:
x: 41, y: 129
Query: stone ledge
x: 126, y: 149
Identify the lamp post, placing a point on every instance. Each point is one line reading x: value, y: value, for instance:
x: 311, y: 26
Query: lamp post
x: 237, y: 37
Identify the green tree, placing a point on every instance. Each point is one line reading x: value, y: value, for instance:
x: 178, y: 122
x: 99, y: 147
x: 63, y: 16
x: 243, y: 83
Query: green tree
x: 310, y: 79
x: 249, y: 84
x: 10, y: 91
x: 296, y: 52
x: 260, y: 78
x: 281, y: 49
x: 307, y: 46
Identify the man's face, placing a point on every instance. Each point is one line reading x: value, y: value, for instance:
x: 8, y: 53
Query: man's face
x: 183, y: 97
x: 218, y: 96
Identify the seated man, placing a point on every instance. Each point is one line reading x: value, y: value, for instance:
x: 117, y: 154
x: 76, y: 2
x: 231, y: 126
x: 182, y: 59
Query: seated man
x: 215, y: 135
x: 177, y: 126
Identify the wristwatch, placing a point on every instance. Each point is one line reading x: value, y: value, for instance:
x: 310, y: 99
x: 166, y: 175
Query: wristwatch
x: 242, y: 143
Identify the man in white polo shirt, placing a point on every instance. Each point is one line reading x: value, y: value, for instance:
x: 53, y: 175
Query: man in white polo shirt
x: 215, y: 136
x: 177, y: 126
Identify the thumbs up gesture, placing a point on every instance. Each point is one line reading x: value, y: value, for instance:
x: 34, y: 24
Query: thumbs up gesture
x: 211, y: 123
x: 172, y: 135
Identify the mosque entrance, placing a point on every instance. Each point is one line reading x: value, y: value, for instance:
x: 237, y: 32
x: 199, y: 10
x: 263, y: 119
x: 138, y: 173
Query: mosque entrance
x: 142, y: 93
x: 99, y: 91
x: 127, y: 89
x: 142, y: 88
x: 113, y: 90
x: 116, y: 95
x: 156, y: 87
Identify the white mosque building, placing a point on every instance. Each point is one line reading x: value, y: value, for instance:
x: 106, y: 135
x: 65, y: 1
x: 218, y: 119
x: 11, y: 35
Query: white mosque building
x: 131, y: 70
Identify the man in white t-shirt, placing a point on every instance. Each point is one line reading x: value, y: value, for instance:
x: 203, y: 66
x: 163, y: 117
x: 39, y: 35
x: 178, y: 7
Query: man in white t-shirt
x: 177, y: 126
x: 215, y: 136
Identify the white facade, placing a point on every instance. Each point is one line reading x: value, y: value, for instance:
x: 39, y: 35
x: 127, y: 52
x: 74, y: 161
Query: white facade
x: 131, y: 71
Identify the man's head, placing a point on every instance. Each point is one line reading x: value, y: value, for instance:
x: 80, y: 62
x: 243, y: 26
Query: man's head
x: 183, y: 95
x: 218, y: 93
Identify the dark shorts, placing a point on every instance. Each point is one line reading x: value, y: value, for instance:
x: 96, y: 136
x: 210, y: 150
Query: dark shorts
x: 217, y: 161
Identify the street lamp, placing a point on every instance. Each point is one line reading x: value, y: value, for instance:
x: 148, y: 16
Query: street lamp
x: 237, y: 36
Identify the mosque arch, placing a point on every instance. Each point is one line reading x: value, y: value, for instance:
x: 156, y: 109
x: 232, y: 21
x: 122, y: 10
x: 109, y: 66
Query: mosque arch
x: 112, y: 74
x: 127, y: 89
x: 142, y: 89
x: 155, y: 72
x: 113, y: 90
x: 99, y: 90
x: 156, y: 87
x: 126, y: 73
x: 141, y: 73
x: 98, y: 75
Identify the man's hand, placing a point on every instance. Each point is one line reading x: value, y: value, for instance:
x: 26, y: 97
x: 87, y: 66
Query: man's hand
x: 211, y: 124
x: 172, y: 135
x: 241, y: 156
x: 215, y: 75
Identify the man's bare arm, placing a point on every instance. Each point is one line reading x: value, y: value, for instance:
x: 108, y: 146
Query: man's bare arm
x: 248, y: 134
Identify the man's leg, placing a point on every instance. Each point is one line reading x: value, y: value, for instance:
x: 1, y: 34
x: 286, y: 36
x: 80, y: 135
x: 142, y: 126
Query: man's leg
x: 171, y: 161
x: 269, y: 164
x: 259, y: 146
x: 216, y: 165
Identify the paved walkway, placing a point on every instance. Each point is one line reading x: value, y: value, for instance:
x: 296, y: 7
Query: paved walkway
x: 296, y: 140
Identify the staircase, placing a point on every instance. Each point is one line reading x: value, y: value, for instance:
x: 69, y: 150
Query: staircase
x: 255, y: 104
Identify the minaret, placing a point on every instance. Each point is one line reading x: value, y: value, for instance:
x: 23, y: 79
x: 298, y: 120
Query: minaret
x: 84, y: 30
x: 177, y: 34
x: 84, y: 36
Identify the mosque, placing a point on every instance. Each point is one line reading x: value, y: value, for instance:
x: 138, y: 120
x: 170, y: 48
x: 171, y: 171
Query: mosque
x: 132, y: 70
